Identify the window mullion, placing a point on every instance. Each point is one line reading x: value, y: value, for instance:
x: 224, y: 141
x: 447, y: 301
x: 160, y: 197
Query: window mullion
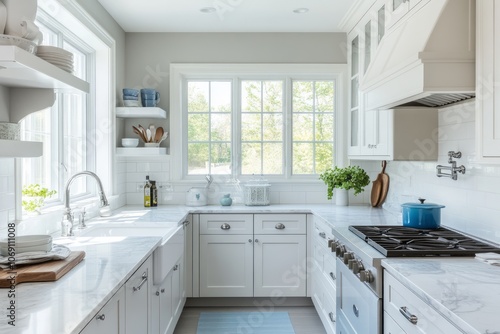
x: 236, y: 127
x: 287, y: 123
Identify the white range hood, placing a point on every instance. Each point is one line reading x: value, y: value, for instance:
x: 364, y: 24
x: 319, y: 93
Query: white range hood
x: 427, y: 60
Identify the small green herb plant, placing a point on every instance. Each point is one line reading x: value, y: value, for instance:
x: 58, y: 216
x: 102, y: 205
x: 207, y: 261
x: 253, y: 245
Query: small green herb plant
x: 351, y: 177
x: 34, y: 197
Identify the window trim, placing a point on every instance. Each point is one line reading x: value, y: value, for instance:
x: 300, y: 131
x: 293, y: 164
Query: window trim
x: 180, y: 72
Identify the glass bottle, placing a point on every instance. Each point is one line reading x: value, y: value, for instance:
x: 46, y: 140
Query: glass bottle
x: 147, y: 193
x: 154, y: 194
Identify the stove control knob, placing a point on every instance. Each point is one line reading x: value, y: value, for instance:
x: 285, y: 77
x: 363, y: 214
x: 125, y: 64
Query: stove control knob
x: 340, y: 250
x: 348, y: 256
x: 350, y: 263
x: 333, y: 245
x: 366, y: 276
x: 357, y: 267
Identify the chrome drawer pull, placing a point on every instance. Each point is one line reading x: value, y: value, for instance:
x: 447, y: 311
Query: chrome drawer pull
x: 322, y: 234
x: 100, y: 317
x: 332, y: 319
x: 225, y: 226
x: 332, y: 275
x: 410, y: 317
x: 280, y: 226
x: 144, y: 280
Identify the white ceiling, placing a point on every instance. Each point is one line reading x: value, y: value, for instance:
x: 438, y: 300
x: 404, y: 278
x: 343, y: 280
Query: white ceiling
x: 229, y: 16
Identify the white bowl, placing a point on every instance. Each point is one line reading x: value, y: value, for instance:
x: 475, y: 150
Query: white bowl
x: 130, y: 142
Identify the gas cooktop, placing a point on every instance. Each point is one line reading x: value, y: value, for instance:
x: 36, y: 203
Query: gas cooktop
x: 398, y: 241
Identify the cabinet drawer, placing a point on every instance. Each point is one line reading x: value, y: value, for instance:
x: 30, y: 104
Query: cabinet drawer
x: 280, y: 223
x: 399, y: 299
x: 226, y: 224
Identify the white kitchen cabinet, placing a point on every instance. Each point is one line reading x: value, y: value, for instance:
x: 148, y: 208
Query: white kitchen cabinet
x: 399, y: 134
x: 404, y: 309
x: 487, y: 75
x: 375, y: 138
x: 363, y: 41
x: 279, y: 265
x: 399, y: 9
x: 236, y: 261
x: 169, y: 295
x: 138, y: 299
x: 168, y: 300
x: 323, y: 275
x: 226, y: 265
x: 111, y: 317
x: 128, y: 116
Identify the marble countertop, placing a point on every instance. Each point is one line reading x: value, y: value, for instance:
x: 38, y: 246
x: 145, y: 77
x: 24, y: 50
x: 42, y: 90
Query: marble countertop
x: 68, y: 304
x: 465, y: 290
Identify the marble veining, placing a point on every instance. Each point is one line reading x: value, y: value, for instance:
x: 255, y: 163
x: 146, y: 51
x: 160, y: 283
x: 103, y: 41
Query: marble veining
x: 464, y: 290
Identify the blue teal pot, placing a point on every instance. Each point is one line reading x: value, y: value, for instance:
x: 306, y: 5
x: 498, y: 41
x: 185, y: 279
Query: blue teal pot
x: 226, y: 200
x: 422, y: 215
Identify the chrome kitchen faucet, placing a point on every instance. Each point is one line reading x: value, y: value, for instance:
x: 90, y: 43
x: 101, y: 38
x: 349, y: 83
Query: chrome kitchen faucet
x: 68, y: 217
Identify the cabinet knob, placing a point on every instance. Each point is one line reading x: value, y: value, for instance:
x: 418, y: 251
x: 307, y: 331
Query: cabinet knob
x: 322, y: 234
x: 157, y: 293
x: 100, y: 317
x: 225, y: 226
x: 256, y: 240
x: 332, y: 318
x: 176, y: 267
x: 162, y: 290
x: 279, y: 226
x: 250, y: 240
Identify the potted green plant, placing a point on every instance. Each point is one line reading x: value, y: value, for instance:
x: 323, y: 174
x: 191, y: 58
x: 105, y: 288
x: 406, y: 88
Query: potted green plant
x: 350, y: 177
x: 34, y: 197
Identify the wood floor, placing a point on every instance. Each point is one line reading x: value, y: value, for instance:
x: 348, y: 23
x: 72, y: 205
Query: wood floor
x: 304, y: 319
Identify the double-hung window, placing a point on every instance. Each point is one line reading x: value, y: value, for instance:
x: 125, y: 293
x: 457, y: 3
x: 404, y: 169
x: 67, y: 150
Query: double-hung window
x: 245, y: 120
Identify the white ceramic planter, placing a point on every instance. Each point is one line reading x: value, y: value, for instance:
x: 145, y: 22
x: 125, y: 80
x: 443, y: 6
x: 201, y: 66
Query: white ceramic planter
x: 341, y: 197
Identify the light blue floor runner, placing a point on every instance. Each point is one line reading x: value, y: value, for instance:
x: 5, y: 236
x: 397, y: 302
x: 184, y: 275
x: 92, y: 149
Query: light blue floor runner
x: 244, y: 323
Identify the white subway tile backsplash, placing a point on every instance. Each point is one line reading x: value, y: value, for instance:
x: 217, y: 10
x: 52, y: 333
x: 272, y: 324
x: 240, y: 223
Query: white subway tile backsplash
x: 131, y: 167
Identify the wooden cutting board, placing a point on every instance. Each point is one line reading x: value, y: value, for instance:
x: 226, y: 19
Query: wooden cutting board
x: 41, y: 272
x: 380, y: 187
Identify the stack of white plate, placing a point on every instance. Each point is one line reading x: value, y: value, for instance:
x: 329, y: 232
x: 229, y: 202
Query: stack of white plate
x: 56, y: 56
x: 25, y: 243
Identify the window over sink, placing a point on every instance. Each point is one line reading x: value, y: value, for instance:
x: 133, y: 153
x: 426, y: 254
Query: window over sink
x: 245, y: 119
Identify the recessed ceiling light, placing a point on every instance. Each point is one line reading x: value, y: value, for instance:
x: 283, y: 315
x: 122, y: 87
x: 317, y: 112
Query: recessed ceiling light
x: 208, y: 10
x: 301, y: 10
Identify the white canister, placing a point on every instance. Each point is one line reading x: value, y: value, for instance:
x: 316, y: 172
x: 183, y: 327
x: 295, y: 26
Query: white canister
x: 196, y: 196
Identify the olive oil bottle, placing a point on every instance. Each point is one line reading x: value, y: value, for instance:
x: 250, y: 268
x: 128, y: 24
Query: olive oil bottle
x: 147, y: 193
x: 154, y: 194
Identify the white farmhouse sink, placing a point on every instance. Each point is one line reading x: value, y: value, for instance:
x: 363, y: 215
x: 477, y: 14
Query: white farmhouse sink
x: 164, y: 256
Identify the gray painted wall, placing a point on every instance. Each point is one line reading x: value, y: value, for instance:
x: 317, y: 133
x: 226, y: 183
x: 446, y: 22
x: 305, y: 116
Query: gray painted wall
x: 149, y: 55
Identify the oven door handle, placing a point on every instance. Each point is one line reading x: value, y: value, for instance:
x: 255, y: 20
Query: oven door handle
x: 407, y: 314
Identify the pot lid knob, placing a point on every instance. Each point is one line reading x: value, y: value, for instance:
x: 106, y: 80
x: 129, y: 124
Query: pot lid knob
x: 422, y: 200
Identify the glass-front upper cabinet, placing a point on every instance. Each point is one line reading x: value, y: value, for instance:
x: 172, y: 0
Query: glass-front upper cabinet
x: 354, y: 123
x: 398, y: 9
x: 380, y: 23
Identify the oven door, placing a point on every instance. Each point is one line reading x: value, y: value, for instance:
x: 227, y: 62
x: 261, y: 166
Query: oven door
x: 358, y: 308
